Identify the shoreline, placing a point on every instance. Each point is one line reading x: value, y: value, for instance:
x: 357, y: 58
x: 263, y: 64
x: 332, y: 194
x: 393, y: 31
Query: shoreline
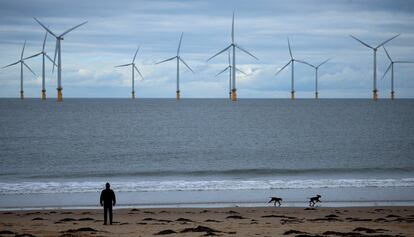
x: 331, y: 197
x: 390, y: 221
x: 347, y: 204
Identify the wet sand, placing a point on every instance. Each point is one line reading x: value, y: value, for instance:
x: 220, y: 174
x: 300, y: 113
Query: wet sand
x: 237, y: 221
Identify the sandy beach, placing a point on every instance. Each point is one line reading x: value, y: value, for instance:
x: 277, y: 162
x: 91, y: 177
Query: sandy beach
x: 237, y: 221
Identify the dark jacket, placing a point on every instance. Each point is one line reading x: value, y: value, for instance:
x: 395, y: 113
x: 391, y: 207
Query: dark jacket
x: 108, y: 197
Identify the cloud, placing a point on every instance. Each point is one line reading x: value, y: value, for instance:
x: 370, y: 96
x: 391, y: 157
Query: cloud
x: 318, y: 30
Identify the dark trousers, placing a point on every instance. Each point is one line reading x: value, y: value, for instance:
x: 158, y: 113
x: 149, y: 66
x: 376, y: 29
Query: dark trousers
x: 108, y: 209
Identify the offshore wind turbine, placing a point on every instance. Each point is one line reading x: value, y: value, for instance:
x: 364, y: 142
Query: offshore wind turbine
x: 21, y: 61
x: 374, y: 91
x: 316, y: 75
x: 59, y: 38
x: 178, y: 57
x: 134, y: 68
x: 292, y: 61
x: 233, y: 46
x: 230, y: 67
x: 391, y: 66
x: 44, y: 55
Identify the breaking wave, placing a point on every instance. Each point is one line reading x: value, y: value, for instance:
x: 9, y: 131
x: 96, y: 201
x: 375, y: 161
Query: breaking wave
x: 8, y: 188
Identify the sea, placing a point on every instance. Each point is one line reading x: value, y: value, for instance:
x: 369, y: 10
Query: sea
x: 205, y: 152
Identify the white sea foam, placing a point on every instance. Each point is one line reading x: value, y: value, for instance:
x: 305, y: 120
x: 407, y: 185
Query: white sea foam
x: 7, y: 188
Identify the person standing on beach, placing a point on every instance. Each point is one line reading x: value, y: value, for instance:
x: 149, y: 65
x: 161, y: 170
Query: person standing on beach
x: 107, y: 201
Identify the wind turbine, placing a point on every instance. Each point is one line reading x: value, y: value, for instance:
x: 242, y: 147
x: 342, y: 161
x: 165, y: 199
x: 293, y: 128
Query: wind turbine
x: 292, y: 61
x: 374, y: 91
x: 133, y: 67
x: 43, y: 53
x: 21, y: 61
x: 59, y: 38
x: 233, y: 46
x: 391, y: 66
x: 316, y: 75
x: 178, y: 57
x: 229, y: 67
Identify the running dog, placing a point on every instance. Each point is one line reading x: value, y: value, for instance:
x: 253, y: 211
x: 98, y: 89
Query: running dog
x: 276, y: 200
x: 314, y: 200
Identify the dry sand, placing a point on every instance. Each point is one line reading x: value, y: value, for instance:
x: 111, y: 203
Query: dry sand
x: 264, y: 221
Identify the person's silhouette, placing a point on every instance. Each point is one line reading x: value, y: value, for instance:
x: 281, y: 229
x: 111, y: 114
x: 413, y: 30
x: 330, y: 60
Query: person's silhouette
x: 107, y: 201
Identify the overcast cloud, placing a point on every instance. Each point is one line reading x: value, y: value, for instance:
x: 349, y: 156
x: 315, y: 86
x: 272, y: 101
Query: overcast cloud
x: 318, y: 30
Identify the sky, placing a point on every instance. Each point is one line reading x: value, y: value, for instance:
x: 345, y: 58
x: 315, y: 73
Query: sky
x: 317, y: 29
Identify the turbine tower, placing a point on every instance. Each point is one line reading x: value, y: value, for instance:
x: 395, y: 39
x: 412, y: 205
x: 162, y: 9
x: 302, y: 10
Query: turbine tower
x: 391, y: 66
x: 44, y: 55
x: 292, y: 61
x: 133, y: 67
x: 233, y: 46
x: 21, y: 61
x: 59, y: 38
x: 229, y: 67
x: 178, y: 57
x: 374, y: 91
x: 316, y: 75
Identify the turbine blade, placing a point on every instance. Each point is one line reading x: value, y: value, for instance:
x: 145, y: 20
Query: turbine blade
x: 404, y: 62
x: 11, y: 64
x: 232, y: 29
x: 222, y: 71
x: 139, y: 72
x: 133, y: 60
x: 322, y: 63
x: 219, y: 52
x: 47, y: 29
x: 54, y: 58
x: 124, y: 65
x: 290, y: 50
x: 47, y: 56
x: 241, y: 71
x: 179, y: 44
x: 304, y: 62
x: 385, y: 73
x: 185, y: 64
x: 229, y: 57
x: 35, y: 55
x: 24, y: 45
x: 283, y: 67
x: 361, y: 42
x: 388, y: 40
x: 389, y: 57
x: 246, y: 52
x: 166, y: 60
x: 64, y: 33
x: 27, y: 66
x: 44, y: 42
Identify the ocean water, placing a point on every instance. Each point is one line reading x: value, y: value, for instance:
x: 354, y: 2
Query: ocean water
x: 205, y: 151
